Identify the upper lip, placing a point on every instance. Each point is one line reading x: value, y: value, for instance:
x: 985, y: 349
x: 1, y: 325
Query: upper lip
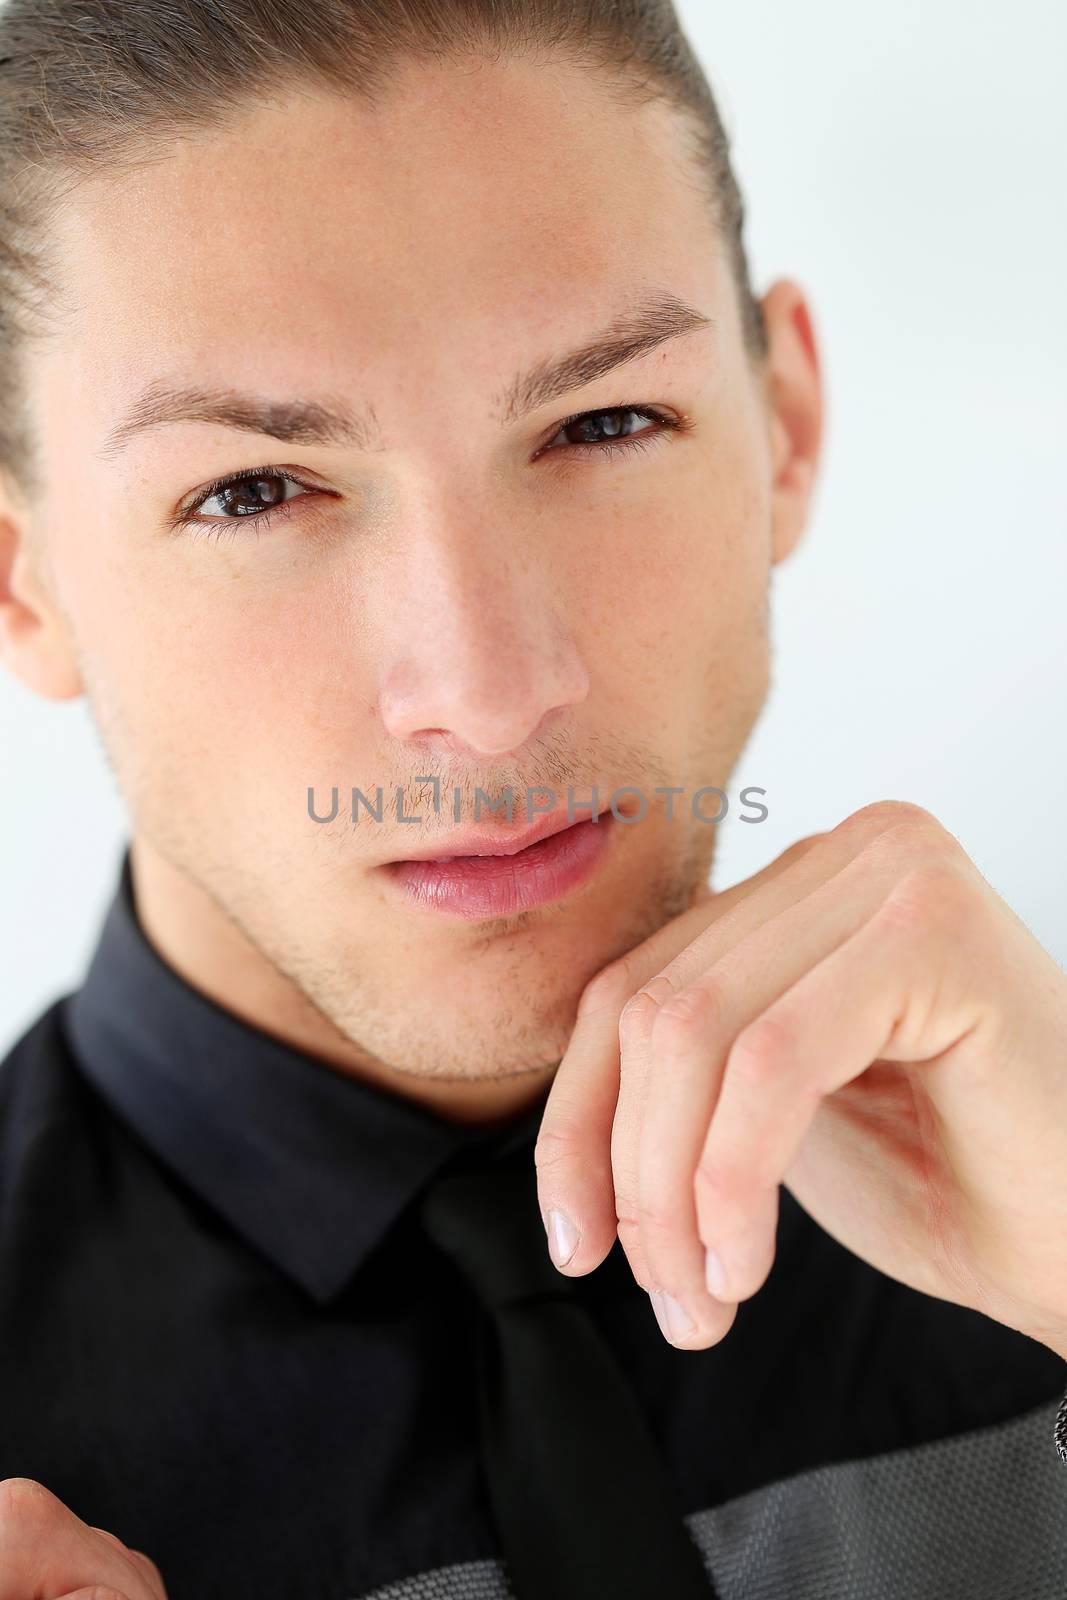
x: 501, y: 842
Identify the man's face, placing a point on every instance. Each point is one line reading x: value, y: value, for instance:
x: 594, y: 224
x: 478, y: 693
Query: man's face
x: 469, y: 591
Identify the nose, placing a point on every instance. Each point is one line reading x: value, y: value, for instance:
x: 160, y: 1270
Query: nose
x: 481, y: 657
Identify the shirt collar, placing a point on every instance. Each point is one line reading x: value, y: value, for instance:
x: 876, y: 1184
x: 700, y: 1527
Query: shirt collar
x: 311, y: 1165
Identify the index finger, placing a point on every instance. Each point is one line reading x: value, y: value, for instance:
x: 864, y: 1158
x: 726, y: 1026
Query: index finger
x: 573, y: 1150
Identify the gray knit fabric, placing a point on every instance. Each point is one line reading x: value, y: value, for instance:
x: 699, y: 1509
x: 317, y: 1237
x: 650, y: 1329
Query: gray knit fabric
x: 468, y: 1580
x: 982, y: 1516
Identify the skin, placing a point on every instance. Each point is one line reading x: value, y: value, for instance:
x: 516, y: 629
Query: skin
x: 864, y: 1018
x: 865, y: 1021
x: 448, y: 602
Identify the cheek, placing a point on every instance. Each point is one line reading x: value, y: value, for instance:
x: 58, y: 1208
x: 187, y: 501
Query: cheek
x: 690, y: 570
x: 683, y: 652
x: 217, y: 683
x: 269, y: 678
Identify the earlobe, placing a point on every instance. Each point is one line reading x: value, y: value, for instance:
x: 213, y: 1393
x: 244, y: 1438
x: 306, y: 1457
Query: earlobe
x: 795, y: 401
x: 34, y: 642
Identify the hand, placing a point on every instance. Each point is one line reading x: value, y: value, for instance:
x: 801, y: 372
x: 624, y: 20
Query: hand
x: 865, y: 1021
x: 47, y: 1553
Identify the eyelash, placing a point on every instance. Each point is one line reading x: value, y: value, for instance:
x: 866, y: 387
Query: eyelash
x: 260, y: 521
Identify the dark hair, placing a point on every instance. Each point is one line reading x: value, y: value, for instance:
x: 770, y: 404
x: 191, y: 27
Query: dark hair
x: 90, y: 86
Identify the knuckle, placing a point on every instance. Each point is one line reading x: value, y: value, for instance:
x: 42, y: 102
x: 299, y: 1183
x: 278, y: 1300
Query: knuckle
x: 25, y: 1503
x: 924, y: 892
x: 893, y: 812
x: 608, y: 989
x: 722, y: 1182
x: 628, y: 1224
x: 800, y: 847
x: 641, y: 1009
x: 654, y: 1215
x: 699, y: 1008
x: 553, y: 1145
x: 891, y: 816
x: 148, y: 1564
x: 915, y: 839
x: 760, y: 1050
x: 112, y: 1538
x: 919, y: 846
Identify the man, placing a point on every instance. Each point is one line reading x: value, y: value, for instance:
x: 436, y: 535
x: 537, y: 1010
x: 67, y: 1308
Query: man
x: 468, y: 354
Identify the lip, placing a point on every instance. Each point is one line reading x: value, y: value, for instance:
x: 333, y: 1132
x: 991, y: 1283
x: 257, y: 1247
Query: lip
x: 514, y: 875
x: 500, y: 841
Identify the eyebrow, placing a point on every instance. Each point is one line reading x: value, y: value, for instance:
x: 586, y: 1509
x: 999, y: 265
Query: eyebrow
x: 658, y: 317
x: 327, y: 420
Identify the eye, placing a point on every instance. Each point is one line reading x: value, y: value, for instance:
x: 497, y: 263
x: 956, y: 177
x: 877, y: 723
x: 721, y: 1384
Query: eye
x: 258, y: 494
x: 610, y: 429
x: 253, y: 496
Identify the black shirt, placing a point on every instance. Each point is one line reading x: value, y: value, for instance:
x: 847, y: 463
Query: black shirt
x: 225, y: 1338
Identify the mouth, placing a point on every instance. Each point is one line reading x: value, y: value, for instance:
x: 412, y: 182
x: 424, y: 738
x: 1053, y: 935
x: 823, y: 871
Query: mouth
x: 502, y: 874
x: 472, y: 843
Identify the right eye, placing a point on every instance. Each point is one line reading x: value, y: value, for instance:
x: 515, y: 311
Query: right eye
x: 246, y: 494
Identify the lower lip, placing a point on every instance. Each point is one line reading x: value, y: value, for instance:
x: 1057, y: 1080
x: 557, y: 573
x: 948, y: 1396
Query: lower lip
x: 474, y: 887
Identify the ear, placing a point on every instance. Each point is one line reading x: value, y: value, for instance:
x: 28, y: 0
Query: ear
x: 35, y: 642
x: 795, y: 402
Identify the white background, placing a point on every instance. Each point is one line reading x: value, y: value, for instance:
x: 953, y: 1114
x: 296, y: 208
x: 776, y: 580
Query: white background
x: 907, y: 165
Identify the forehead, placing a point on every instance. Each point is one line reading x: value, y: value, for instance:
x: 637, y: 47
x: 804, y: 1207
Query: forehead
x: 470, y: 190
x: 476, y: 219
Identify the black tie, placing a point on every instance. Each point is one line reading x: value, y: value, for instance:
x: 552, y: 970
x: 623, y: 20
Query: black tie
x: 582, y: 1501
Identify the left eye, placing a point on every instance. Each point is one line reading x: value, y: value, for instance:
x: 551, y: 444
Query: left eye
x: 610, y: 428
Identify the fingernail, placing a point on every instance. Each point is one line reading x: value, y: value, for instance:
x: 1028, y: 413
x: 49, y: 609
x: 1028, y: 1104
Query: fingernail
x: 674, y: 1321
x: 715, y: 1276
x: 562, y: 1238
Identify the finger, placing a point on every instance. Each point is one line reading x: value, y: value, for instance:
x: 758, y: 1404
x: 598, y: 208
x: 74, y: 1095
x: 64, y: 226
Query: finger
x: 680, y: 1024
x: 687, y: 1314
x: 45, y: 1549
x: 95, y: 1591
x: 144, y: 1562
x: 573, y: 1149
x: 573, y: 1153
x: 890, y: 832
x: 674, y: 1053
x: 881, y: 995
x: 151, y: 1572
